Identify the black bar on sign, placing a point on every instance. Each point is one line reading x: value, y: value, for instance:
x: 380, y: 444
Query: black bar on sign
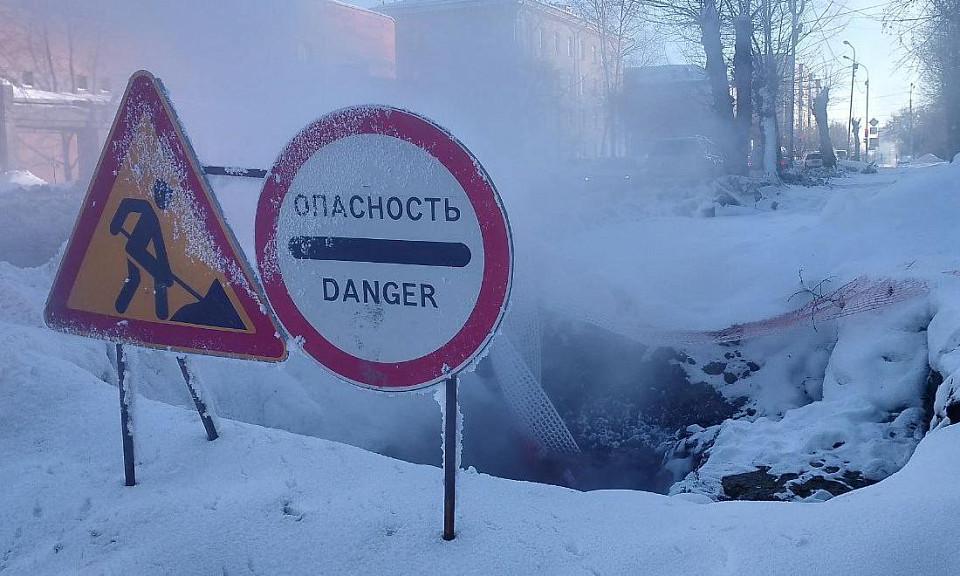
x: 238, y: 172
x: 380, y: 251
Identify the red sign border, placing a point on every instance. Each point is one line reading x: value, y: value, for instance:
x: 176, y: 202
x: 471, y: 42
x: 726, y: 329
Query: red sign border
x: 488, y: 311
x: 265, y: 343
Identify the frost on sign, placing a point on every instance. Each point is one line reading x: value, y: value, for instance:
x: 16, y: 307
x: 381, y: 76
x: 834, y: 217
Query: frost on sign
x: 384, y: 247
x: 151, y: 260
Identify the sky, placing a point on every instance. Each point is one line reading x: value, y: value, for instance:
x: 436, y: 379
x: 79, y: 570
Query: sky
x: 877, y: 50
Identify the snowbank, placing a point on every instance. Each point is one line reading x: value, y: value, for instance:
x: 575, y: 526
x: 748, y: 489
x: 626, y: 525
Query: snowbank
x: 268, y: 502
x: 35, y: 220
x: 19, y: 179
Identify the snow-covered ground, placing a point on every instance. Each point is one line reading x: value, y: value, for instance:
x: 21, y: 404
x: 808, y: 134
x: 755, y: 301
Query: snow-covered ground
x: 849, y: 397
x: 262, y: 501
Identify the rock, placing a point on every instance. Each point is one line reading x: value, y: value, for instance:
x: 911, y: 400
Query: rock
x: 756, y: 485
x: 715, y: 368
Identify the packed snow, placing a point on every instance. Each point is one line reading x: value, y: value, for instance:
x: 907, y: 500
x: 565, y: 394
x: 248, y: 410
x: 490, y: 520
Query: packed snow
x: 262, y: 501
x: 844, y: 401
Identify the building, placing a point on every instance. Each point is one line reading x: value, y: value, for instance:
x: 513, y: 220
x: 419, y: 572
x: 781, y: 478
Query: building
x: 516, y: 76
x: 335, y: 38
x: 666, y: 102
x: 62, y: 70
x: 57, y: 84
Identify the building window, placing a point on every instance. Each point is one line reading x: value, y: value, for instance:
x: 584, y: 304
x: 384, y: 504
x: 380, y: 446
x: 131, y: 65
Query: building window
x: 594, y: 47
x: 105, y: 85
x: 28, y: 80
x: 570, y: 46
x: 583, y: 49
x: 82, y: 84
x: 542, y: 41
x: 556, y: 44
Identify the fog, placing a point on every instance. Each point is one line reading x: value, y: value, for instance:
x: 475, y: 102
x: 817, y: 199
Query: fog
x: 615, y: 254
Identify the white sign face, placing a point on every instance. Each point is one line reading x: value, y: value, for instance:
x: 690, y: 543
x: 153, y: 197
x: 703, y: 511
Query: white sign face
x: 351, y: 237
x: 384, y: 247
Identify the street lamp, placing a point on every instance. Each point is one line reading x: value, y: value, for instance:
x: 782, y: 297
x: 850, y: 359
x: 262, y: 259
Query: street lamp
x: 853, y: 79
x: 866, y: 112
x: 912, y: 152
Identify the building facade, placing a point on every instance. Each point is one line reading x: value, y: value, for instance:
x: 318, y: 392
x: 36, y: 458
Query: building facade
x: 668, y: 101
x: 64, y: 65
x: 58, y: 77
x: 517, y: 75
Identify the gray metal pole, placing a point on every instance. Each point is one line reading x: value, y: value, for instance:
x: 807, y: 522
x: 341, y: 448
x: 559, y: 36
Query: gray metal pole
x: 450, y: 459
x: 202, y: 409
x: 912, y: 151
x: 853, y: 80
x: 126, y: 432
x: 867, y: 119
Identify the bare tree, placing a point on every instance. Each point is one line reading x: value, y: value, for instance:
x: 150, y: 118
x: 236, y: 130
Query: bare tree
x: 703, y: 23
x: 622, y: 38
x: 823, y: 128
x: 929, y: 32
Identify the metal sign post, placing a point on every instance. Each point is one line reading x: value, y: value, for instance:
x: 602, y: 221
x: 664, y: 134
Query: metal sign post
x: 126, y: 431
x: 386, y: 253
x: 450, y: 464
x: 198, y: 401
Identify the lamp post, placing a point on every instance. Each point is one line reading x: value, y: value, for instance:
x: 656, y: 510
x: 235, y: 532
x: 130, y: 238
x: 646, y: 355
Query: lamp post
x: 866, y: 112
x: 912, y: 152
x: 866, y: 117
x: 853, y: 79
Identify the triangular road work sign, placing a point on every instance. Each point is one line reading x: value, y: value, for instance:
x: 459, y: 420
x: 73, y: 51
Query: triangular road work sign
x: 151, y: 260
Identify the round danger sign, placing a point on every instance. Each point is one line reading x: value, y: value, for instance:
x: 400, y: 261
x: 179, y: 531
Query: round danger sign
x: 384, y: 248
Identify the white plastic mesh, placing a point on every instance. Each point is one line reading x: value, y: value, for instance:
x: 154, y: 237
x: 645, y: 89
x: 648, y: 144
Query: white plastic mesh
x: 522, y: 324
x: 517, y: 363
x: 528, y: 400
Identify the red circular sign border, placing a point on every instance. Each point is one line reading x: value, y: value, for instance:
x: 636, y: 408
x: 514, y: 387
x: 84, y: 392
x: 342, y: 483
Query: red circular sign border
x: 488, y: 310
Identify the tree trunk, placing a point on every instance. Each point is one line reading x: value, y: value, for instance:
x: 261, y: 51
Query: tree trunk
x: 771, y: 139
x: 951, y: 87
x: 717, y: 76
x: 791, y: 73
x: 768, y: 102
x: 855, y: 123
x: 743, y: 80
x: 823, y: 128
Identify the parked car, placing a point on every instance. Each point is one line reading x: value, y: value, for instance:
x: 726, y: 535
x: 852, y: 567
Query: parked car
x: 841, y: 154
x: 813, y: 160
x: 602, y: 174
x: 686, y: 158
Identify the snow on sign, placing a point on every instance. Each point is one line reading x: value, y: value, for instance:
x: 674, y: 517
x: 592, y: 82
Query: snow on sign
x: 384, y: 248
x: 151, y: 260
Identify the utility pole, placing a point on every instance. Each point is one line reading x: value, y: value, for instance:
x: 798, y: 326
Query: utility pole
x: 853, y: 80
x: 912, y: 152
x: 866, y: 116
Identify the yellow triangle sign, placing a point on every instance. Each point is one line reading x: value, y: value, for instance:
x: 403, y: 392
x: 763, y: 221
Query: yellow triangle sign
x: 151, y: 260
